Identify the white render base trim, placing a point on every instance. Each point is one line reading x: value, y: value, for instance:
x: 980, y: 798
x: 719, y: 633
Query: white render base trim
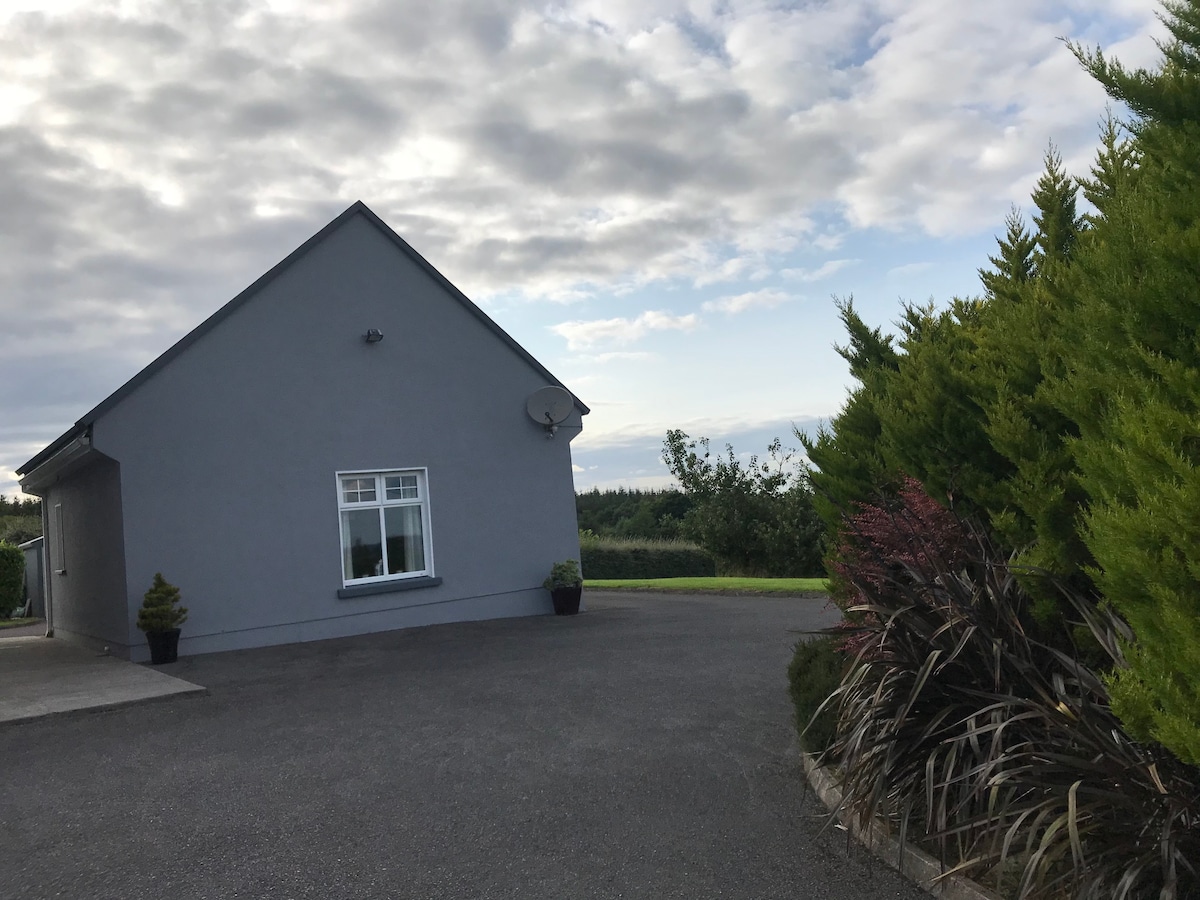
x: 513, y: 604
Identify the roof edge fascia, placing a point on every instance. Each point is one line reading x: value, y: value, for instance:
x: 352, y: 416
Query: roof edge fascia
x: 62, y: 461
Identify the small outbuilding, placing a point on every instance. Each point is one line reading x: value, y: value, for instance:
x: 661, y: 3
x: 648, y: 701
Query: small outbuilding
x: 347, y: 446
x: 35, y: 577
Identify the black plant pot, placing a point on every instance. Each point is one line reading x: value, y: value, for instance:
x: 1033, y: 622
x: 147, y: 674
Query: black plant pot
x: 164, y: 646
x: 566, y: 600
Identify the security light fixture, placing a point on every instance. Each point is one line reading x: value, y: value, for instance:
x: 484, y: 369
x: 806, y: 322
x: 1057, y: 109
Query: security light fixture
x: 373, y: 336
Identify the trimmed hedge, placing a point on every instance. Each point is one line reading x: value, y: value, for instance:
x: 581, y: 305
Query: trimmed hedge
x: 12, y: 579
x: 615, y: 558
x: 815, y: 673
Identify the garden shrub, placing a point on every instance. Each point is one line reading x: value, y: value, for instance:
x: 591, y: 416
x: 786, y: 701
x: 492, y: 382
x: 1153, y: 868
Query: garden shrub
x: 756, y: 519
x: 876, y: 544
x: 160, y: 609
x: 616, y: 558
x: 1004, y: 751
x: 12, y: 579
x: 813, y: 675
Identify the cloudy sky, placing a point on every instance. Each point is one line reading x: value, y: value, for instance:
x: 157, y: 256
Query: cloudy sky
x: 658, y: 198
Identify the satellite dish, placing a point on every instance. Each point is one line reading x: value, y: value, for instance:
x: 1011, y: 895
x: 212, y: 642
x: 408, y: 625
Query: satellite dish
x: 549, y: 406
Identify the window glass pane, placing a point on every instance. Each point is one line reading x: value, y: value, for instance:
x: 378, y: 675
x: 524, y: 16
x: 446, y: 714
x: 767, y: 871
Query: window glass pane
x: 400, y: 487
x: 358, y: 490
x: 362, y: 548
x: 405, y: 543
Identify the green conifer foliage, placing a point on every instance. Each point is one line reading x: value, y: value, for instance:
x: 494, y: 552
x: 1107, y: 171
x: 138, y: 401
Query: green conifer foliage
x: 1036, y: 508
x: 1112, y: 173
x: 869, y: 351
x: 1069, y: 413
x: 1133, y: 387
x: 1165, y: 95
x: 1056, y: 219
x: 850, y: 469
x: 1013, y: 266
x: 160, y: 609
x: 1022, y: 348
x: 932, y: 425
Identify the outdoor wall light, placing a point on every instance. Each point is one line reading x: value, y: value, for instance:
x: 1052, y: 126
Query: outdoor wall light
x: 373, y: 336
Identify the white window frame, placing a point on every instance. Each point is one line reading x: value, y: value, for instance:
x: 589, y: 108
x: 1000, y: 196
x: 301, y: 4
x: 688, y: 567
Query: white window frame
x: 381, y: 503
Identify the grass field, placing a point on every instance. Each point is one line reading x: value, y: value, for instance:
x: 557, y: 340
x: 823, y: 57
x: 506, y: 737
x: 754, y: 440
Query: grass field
x: 700, y: 585
x: 16, y: 623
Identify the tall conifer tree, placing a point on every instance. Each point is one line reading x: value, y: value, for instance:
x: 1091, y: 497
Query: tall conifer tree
x: 850, y: 469
x: 1112, y: 173
x: 1012, y: 267
x: 1133, y: 387
x: 1056, y: 218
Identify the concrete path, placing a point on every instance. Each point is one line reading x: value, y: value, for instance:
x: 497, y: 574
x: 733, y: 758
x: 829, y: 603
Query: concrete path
x: 37, y: 629
x: 40, y: 676
x: 643, y: 749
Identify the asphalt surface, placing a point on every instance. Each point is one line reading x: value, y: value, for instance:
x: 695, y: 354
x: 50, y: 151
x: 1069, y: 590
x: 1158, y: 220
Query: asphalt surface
x: 643, y: 749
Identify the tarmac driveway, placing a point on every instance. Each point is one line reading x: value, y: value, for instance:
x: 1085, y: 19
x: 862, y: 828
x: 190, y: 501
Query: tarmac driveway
x: 643, y: 749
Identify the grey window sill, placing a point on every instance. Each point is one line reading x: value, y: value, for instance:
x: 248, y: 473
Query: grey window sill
x: 389, y: 587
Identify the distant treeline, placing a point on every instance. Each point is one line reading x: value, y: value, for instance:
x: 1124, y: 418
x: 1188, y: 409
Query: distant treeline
x: 754, y: 517
x: 20, y: 520
x: 18, y: 507
x: 651, y: 514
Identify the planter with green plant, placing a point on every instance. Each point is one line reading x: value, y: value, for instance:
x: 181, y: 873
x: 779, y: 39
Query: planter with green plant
x: 565, y: 584
x: 160, y: 617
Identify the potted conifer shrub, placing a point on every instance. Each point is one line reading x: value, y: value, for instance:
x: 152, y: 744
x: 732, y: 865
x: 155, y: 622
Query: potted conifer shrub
x: 160, y: 617
x: 565, y: 584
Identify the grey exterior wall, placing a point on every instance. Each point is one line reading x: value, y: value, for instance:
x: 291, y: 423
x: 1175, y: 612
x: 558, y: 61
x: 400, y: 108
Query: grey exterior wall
x: 35, y: 583
x: 228, y: 456
x: 87, y: 581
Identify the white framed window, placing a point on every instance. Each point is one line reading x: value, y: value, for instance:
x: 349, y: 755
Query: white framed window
x: 384, y: 522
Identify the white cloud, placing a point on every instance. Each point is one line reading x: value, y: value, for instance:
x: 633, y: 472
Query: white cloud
x: 620, y: 356
x: 764, y: 299
x: 908, y: 269
x: 580, y: 334
x: 157, y: 156
x: 829, y: 242
x: 823, y: 271
x: 719, y: 428
x: 730, y: 269
x: 570, y: 147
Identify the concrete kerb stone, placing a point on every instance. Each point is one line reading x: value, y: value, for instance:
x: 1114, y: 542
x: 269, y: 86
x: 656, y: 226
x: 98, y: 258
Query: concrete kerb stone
x: 914, y: 864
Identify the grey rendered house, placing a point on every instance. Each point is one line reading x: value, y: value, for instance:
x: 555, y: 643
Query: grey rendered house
x: 342, y: 448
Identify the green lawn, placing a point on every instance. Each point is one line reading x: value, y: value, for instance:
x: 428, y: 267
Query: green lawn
x: 17, y: 623
x: 729, y: 585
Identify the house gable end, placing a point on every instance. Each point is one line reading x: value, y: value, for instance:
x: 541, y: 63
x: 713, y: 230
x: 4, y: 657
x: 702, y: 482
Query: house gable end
x: 358, y: 208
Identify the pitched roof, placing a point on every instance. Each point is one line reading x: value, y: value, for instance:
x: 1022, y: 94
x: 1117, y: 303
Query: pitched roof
x: 358, y: 208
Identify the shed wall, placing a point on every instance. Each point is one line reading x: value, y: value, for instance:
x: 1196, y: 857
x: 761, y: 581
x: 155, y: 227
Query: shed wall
x: 35, y: 583
x: 86, y: 558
